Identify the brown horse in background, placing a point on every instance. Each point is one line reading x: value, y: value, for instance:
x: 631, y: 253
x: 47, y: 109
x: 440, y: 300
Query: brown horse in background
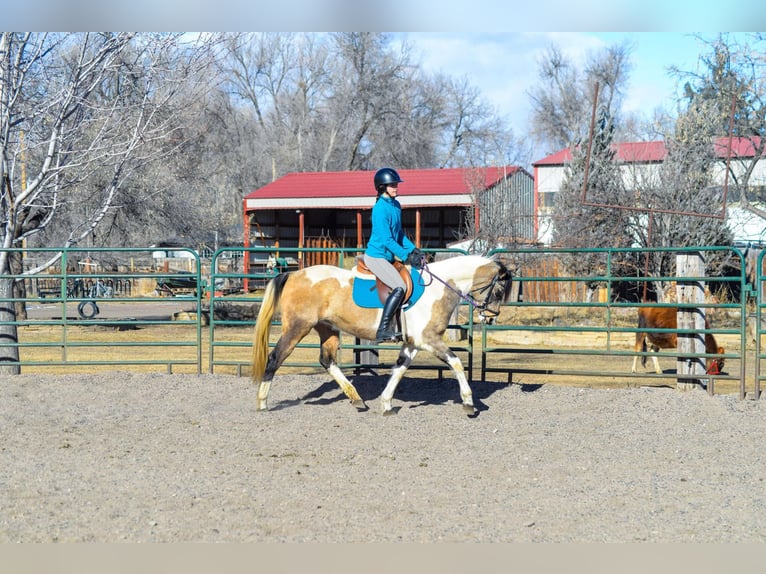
x: 666, y: 318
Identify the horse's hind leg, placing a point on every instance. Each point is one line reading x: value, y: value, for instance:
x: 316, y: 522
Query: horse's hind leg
x: 329, y: 343
x: 285, y: 345
x: 637, y: 348
x: 657, y: 368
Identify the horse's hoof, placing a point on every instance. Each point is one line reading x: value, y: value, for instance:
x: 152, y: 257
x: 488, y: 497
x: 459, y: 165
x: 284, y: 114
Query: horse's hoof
x: 469, y: 410
x: 360, y: 406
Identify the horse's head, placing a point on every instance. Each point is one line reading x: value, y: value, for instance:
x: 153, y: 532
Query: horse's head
x: 483, y: 282
x: 497, y: 291
x: 715, y: 365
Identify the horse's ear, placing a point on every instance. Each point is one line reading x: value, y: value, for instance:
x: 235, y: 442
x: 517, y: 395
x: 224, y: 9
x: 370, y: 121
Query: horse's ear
x: 505, y: 262
x: 501, y: 258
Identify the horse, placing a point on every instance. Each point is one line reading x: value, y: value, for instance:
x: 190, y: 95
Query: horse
x: 319, y: 297
x: 666, y: 318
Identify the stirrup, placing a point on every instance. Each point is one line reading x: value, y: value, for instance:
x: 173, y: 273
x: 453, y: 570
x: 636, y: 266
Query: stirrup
x: 389, y: 337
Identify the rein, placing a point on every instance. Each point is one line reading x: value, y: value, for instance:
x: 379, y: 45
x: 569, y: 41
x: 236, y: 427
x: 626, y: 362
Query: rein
x: 467, y: 297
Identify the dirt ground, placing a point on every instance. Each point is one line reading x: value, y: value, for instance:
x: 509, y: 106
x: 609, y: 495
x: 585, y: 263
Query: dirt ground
x: 145, y: 457
x: 134, y: 457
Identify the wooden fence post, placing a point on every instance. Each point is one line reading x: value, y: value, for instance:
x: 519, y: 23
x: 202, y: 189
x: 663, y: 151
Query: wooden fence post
x: 690, y: 369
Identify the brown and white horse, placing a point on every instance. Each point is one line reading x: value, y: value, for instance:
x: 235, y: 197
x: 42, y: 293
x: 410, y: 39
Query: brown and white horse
x: 666, y: 318
x: 320, y: 298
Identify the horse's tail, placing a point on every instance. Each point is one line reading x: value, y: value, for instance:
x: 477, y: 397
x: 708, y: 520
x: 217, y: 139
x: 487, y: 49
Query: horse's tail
x: 269, y: 305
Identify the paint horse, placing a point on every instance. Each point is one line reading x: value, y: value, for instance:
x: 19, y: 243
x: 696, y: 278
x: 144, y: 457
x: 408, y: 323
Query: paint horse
x: 666, y: 318
x: 320, y: 297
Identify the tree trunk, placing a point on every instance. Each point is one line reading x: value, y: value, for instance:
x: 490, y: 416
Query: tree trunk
x: 9, y: 352
x: 690, y: 369
x: 16, y: 261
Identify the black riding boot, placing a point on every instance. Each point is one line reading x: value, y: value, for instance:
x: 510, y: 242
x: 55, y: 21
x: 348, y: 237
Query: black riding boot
x: 386, y: 331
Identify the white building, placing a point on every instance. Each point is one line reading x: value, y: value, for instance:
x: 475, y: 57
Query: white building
x: 638, y: 164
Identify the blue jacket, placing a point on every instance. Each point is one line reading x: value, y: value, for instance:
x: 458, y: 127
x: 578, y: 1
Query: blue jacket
x: 387, y: 238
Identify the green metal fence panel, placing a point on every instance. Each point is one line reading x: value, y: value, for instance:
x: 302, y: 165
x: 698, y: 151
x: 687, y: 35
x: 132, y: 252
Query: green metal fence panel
x: 90, y: 309
x: 228, y: 352
x: 758, y: 278
x: 610, y: 320
x: 96, y: 308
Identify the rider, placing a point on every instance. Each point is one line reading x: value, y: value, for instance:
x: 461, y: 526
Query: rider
x: 388, y: 241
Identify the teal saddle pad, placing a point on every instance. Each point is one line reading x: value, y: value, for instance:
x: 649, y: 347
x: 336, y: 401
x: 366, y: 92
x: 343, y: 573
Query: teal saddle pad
x: 365, y: 294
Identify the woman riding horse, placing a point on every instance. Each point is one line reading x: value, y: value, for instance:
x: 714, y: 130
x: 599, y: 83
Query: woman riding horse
x: 388, y: 241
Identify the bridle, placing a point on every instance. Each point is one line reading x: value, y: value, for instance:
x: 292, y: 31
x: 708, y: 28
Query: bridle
x: 481, y: 306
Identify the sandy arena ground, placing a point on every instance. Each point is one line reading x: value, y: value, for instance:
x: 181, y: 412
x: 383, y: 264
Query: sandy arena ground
x: 184, y: 458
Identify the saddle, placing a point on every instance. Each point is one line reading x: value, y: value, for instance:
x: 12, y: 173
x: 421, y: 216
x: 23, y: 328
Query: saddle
x: 369, y: 291
x: 383, y: 289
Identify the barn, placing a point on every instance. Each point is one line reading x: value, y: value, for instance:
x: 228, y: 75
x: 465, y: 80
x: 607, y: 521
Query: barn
x: 333, y: 209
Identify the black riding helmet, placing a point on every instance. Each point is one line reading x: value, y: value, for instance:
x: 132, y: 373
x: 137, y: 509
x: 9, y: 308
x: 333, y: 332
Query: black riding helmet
x: 386, y: 176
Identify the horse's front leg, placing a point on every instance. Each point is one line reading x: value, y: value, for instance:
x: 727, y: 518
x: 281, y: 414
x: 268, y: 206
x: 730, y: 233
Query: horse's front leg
x: 406, y: 355
x: 444, y: 354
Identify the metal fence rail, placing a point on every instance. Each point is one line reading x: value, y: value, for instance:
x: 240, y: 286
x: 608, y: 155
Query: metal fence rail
x: 209, y: 327
x: 81, y: 311
x: 758, y: 318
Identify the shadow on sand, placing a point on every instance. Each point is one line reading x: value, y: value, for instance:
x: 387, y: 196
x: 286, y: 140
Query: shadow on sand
x: 411, y: 393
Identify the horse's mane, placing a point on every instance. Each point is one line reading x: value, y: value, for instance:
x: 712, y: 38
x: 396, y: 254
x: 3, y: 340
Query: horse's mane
x: 459, y: 265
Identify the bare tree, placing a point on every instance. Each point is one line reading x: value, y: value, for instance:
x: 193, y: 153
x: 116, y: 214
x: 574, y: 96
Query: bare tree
x: 355, y: 101
x: 581, y: 213
x: 561, y: 103
x: 683, y: 201
x: 85, y: 111
x: 562, y: 110
x: 733, y: 80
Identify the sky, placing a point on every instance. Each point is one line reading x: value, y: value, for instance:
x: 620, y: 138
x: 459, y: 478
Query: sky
x: 504, y: 65
x: 496, y: 44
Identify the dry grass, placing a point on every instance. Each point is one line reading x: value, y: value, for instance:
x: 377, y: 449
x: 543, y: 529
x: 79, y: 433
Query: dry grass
x: 176, y: 343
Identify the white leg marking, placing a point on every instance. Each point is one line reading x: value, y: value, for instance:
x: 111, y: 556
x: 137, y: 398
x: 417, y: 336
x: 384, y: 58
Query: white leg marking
x: 346, y: 386
x: 465, y: 390
x: 657, y: 366
x: 386, y: 397
x: 263, y: 395
x: 388, y: 392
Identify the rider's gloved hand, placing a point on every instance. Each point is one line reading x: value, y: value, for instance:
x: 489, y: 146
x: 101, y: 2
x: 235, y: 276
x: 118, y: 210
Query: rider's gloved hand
x: 416, y: 258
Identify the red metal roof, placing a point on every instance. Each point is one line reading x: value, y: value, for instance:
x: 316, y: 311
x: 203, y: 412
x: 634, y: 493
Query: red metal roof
x: 448, y: 181
x: 632, y: 152
x: 740, y: 147
x: 654, y: 151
